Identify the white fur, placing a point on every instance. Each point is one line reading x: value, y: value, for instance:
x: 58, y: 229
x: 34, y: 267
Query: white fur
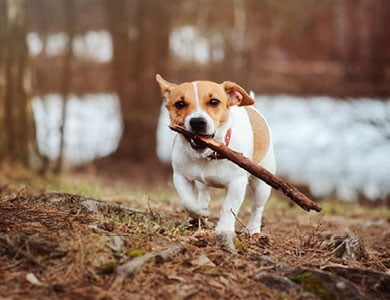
x: 194, y: 171
x: 195, y: 85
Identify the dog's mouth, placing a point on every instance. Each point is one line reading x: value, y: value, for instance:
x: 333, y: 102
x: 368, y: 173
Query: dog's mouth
x: 198, y: 146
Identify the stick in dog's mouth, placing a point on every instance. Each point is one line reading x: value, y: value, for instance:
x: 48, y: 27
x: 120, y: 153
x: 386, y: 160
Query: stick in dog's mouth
x: 277, y: 183
x: 198, y: 144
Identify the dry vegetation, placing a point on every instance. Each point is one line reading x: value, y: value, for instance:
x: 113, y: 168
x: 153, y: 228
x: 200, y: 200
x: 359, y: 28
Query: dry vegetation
x: 67, y: 246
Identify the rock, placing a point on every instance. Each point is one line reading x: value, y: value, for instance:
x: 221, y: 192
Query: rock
x: 276, y: 282
x: 264, y: 261
x: 325, y: 285
x: 116, y: 244
x: 374, y: 283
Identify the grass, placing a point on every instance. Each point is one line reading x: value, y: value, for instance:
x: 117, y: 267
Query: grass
x: 88, y: 184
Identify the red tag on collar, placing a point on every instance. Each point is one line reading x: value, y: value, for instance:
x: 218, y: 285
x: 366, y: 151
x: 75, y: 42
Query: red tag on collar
x: 227, y: 136
x: 216, y: 155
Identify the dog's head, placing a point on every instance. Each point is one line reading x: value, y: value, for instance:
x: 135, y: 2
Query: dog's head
x: 202, y: 106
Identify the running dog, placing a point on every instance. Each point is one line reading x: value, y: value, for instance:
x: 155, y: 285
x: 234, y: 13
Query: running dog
x: 227, y: 113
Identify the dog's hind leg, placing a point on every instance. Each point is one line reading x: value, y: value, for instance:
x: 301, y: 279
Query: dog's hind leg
x: 261, y: 192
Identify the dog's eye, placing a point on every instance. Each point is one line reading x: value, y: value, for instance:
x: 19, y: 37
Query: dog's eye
x: 180, y: 104
x: 214, y: 102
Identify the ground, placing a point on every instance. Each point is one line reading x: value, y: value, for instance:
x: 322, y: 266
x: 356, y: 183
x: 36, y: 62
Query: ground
x: 138, y: 243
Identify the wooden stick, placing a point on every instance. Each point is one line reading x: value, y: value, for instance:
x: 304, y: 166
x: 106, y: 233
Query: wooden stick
x: 238, y: 158
x: 134, y: 265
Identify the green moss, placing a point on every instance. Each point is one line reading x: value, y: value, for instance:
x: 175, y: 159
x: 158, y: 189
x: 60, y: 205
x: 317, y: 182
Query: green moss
x: 240, y: 246
x: 107, y: 268
x: 182, y: 228
x: 314, y: 284
x: 135, y: 252
x: 300, y: 278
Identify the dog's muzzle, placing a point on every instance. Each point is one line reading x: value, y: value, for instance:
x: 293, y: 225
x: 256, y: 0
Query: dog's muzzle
x: 199, y: 126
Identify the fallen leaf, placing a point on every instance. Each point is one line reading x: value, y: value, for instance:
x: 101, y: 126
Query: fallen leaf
x: 31, y: 278
x: 202, y: 261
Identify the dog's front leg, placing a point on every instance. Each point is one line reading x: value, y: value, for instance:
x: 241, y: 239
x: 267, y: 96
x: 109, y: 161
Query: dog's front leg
x: 234, y: 197
x: 186, y: 190
x: 203, y: 194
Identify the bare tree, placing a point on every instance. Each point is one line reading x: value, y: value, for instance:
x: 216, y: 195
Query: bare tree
x: 140, y: 33
x: 3, y: 23
x: 66, y: 79
x: 17, y: 127
x: 358, y: 31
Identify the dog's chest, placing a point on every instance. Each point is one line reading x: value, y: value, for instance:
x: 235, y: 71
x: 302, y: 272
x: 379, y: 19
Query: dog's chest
x: 216, y: 173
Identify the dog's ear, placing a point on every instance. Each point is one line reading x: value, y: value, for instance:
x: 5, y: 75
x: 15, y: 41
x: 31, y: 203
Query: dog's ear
x: 165, y: 86
x: 236, y: 94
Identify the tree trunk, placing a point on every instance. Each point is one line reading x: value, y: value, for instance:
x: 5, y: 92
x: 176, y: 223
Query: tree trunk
x: 18, y: 137
x: 2, y: 78
x: 358, y: 38
x: 141, y: 48
x: 66, y: 80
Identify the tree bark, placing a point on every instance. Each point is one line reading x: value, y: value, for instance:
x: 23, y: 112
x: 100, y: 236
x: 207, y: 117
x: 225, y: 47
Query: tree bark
x: 3, y: 23
x: 141, y: 48
x: 18, y: 138
x: 66, y: 80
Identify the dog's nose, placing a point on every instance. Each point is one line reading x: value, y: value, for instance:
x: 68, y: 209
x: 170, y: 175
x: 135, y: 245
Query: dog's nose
x: 198, y: 124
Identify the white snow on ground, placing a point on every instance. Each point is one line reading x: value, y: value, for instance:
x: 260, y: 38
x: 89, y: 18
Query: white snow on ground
x: 93, y: 126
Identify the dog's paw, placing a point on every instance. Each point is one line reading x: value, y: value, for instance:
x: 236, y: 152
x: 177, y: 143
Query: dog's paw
x: 227, y: 238
x: 253, y: 232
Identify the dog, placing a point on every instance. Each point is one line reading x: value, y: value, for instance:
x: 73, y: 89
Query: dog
x: 227, y: 113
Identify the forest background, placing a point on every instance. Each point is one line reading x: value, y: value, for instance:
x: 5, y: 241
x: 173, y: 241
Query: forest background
x: 339, y: 49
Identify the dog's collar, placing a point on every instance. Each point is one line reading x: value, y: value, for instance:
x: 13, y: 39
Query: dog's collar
x: 216, y: 155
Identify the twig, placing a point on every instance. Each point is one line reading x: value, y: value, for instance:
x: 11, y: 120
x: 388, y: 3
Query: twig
x: 277, y: 183
x: 134, y: 265
x: 14, y: 247
x: 239, y: 222
x: 89, y: 203
x: 153, y: 214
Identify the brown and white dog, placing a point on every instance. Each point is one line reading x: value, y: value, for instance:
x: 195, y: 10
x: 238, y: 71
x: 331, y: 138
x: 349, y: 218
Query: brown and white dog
x: 226, y: 112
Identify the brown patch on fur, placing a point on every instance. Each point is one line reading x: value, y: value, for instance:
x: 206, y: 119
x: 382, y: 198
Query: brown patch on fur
x: 237, y: 95
x: 208, y: 90
x: 228, y: 93
x: 183, y: 92
x: 261, y: 136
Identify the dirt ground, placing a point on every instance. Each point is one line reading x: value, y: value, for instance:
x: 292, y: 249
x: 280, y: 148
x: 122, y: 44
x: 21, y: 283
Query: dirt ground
x: 65, y: 246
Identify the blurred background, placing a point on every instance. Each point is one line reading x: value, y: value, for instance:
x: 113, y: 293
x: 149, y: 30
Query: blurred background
x: 77, y: 84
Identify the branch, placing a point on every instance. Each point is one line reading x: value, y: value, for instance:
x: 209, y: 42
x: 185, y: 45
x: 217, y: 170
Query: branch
x: 134, y: 265
x: 277, y: 183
